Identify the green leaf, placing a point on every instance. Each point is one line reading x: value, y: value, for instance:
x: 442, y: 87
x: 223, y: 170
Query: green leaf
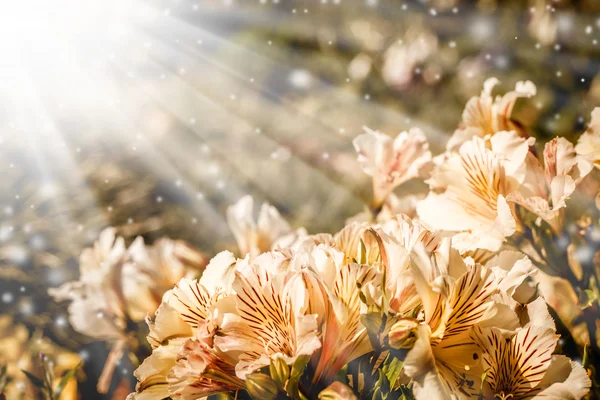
x: 37, y: 382
x: 483, y: 377
x: 65, y: 379
x: 587, y: 298
x: 48, y: 374
x: 3, y: 378
x: 295, y: 375
x: 392, y: 370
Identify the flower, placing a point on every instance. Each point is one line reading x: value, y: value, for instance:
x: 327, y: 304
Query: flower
x: 201, y: 371
x: 117, y: 284
x: 588, y: 144
x: 184, y: 358
x: 98, y: 308
x: 469, y: 189
x: 391, y: 162
x: 344, y: 336
x: 545, y: 190
x: 486, y: 115
x: 444, y: 361
x: 522, y: 366
x: 255, y: 236
x: 269, y: 318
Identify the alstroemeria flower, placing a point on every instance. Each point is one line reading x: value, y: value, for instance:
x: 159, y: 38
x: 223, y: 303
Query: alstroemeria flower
x: 485, y: 115
x: 168, y: 332
x: 588, y: 144
x: 152, y: 270
x: 344, y: 336
x: 523, y: 367
x: 200, y: 371
x: 98, y: 308
x: 119, y: 285
x: 391, y: 162
x: 270, y: 318
x: 546, y: 190
x: 191, y: 310
x: 255, y: 236
x: 444, y: 362
x: 469, y: 190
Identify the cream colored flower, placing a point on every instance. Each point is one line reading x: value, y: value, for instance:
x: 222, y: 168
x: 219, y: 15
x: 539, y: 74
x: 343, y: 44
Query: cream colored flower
x: 117, y: 284
x: 468, y: 191
x: 270, y: 318
x: 201, y: 371
x: 546, y: 190
x: 152, y: 270
x: 588, y: 144
x: 186, y: 322
x: 444, y: 362
x: 98, y: 307
x: 255, y: 236
x: 391, y: 162
x: 523, y: 366
x: 485, y: 115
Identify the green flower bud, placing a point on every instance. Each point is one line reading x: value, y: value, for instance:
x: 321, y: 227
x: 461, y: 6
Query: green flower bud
x: 280, y: 371
x: 403, y: 333
x: 261, y: 386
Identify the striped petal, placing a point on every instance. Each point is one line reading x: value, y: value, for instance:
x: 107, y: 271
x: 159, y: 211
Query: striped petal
x: 269, y: 321
x: 515, y: 366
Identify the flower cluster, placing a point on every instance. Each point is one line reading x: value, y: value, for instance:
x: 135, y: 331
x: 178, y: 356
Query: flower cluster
x: 438, y: 302
x: 119, y: 286
x: 450, y: 293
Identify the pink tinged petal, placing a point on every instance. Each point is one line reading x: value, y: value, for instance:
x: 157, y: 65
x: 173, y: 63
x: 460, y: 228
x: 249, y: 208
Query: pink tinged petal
x: 344, y: 336
x: 201, y: 372
x: 391, y: 163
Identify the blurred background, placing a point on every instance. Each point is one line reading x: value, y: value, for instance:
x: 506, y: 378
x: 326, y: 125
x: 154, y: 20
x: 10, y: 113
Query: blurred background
x: 153, y: 116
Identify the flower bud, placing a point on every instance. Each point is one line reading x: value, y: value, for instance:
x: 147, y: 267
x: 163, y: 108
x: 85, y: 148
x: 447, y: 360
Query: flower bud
x: 261, y: 386
x: 403, y: 333
x: 280, y: 371
x: 337, y: 391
